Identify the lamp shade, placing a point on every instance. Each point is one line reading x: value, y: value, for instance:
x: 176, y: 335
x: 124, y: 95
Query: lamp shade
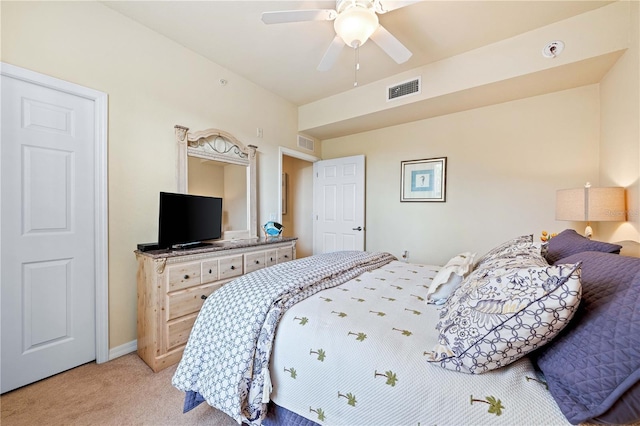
x: 355, y: 25
x: 591, y: 204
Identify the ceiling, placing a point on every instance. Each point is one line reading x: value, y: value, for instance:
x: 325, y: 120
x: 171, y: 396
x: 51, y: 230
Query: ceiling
x: 282, y: 58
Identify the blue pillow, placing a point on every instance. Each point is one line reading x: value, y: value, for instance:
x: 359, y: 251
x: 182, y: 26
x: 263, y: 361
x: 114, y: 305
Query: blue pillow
x: 569, y: 242
x: 593, y: 366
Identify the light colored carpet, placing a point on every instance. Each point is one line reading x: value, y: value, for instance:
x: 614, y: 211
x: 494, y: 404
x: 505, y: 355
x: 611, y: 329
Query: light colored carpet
x: 121, y: 392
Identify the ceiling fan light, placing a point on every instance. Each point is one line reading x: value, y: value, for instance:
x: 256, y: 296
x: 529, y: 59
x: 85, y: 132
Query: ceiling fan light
x: 355, y: 25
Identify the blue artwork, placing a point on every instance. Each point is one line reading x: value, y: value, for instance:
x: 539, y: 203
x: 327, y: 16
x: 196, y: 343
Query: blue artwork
x: 422, y: 180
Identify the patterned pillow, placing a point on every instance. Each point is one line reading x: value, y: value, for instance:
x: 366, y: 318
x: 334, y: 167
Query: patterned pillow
x: 449, y: 277
x: 491, y: 321
x: 569, y: 242
x: 507, y: 247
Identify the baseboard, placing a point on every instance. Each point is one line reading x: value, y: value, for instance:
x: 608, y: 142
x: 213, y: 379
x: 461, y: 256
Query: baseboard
x: 121, y: 350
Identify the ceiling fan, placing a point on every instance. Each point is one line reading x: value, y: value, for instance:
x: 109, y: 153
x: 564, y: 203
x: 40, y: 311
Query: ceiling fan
x: 355, y: 21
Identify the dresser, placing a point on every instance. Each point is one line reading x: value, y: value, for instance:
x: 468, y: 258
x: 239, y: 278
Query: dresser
x: 172, y: 286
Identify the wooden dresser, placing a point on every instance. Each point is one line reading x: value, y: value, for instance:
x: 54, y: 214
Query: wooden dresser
x: 172, y: 286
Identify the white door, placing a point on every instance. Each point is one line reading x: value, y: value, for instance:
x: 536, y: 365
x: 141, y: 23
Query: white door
x: 338, y: 190
x: 48, y: 287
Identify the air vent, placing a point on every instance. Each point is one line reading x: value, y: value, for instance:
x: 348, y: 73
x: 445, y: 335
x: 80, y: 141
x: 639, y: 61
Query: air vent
x: 305, y: 143
x: 406, y: 88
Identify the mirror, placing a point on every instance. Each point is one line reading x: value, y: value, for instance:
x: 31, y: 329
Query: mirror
x: 214, y: 163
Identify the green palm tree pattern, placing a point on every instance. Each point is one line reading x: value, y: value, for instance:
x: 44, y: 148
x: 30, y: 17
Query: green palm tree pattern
x: 361, y: 336
x: 340, y: 314
x: 292, y: 371
x: 420, y: 298
x: 397, y: 287
x: 351, y: 399
x: 319, y: 412
x: 302, y: 321
x: 390, y: 299
x: 413, y: 311
x: 546, y: 386
x: 390, y: 375
x: 380, y: 314
x: 358, y: 299
x: 320, y: 352
x: 495, y: 405
x: 404, y: 332
x: 370, y: 288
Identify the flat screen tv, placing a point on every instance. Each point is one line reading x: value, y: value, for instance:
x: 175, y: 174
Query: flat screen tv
x: 187, y: 220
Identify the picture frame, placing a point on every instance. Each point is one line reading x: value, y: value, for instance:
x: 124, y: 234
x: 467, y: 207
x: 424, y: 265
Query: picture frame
x: 423, y: 180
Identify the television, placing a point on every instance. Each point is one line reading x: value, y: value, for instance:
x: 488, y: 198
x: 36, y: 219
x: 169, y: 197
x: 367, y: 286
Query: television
x: 185, y: 220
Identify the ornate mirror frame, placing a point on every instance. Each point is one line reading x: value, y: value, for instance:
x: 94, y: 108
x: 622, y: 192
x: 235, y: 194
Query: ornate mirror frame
x: 221, y: 146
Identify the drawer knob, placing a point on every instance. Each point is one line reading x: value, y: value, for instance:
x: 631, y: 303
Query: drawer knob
x: 271, y: 258
x: 203, y: 297
x: 286, y: 256
x: 210, y: 271
x: 257, y: 262
x: 233, y: 267
x: 186, y: 277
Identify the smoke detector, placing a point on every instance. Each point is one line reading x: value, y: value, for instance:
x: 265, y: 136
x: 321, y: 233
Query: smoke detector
x: 553, y: 49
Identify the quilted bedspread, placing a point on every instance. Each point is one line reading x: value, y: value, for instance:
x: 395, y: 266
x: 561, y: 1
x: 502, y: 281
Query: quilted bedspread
x: 356, y: 354
x: 227, y: 356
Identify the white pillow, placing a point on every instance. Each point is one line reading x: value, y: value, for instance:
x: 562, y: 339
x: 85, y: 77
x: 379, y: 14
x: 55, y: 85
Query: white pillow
x: 449, y: 277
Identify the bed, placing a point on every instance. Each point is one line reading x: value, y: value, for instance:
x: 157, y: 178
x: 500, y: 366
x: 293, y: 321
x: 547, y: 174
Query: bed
x: 357, y: 338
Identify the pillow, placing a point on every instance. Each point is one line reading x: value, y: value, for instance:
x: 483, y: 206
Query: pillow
x: 569, y: 242
x: 492, y: 321
x: 508, y: 246
x: 593, y: 367
x: 449, y: 277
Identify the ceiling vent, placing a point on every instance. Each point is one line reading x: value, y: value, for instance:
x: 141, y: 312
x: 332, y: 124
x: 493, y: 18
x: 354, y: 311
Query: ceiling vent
x: 306, y: 143
x: 407, y: 88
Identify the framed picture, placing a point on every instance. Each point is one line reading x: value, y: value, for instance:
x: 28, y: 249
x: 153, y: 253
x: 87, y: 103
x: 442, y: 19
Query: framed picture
x: 424, y: 180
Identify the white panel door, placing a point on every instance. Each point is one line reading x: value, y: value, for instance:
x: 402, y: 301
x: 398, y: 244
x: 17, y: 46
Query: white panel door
x: 48, y: 232
x: 339, y: 204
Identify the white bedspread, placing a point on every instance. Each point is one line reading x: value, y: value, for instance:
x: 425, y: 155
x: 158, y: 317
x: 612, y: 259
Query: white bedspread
x: 227, y: 356
x: 355, y: 355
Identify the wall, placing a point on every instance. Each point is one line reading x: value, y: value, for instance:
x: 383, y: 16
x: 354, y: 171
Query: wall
x: 153, y: 84
x: 620, y: 134
x: 505, y: 163
x: 298, y: 221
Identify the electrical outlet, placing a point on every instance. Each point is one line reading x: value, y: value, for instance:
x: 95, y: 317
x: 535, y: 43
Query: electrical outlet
x: 405, y: 255
x: 259, y: 132
x: 272, y: 216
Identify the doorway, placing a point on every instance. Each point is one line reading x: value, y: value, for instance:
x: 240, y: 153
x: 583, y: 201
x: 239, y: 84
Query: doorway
x: 296, y: 194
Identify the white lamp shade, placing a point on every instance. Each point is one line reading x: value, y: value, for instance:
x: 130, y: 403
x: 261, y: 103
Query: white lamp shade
x: 355, y: 25
x: 591, y: 204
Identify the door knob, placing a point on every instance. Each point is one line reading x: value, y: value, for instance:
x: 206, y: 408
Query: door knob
x: 359, y: 228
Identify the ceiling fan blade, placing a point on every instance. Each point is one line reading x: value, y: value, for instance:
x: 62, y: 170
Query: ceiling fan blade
x: 391, y: 45
x: 284, y: 16
x: 384, y: 6
x: 331, y: 54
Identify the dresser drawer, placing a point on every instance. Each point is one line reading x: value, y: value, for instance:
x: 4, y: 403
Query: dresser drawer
x: 188, y: 301
x: 271, y: 257
x: 253, y: 262
x: 183, y: 276
x: 285, y: 254
x: 230, y: 267
x: 178, y: 331
x: 209, y: 271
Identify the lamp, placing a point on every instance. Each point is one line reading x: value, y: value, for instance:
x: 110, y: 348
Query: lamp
x: 590, y: 205
x: 355, y: 25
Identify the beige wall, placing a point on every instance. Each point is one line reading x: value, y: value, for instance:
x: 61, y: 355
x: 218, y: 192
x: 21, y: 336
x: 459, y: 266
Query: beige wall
x: 153, y: 84
x: 505, y: 163
x: 298, y: 220
x: 620, y: 133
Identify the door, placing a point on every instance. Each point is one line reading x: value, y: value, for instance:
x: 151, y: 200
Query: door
x: 339, y: 204
x: 48, y: 212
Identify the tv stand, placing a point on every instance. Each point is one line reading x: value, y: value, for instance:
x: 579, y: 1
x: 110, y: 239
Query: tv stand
x: 172, y: 284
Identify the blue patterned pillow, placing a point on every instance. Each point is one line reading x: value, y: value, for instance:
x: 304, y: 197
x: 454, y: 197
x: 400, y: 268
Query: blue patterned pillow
x: 492, y: 320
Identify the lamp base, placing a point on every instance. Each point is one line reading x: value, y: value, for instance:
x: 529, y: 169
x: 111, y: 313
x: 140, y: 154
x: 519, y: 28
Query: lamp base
x: 588, y: 232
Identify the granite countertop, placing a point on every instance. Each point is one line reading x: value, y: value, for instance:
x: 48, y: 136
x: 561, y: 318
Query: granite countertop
x: 216, y: 246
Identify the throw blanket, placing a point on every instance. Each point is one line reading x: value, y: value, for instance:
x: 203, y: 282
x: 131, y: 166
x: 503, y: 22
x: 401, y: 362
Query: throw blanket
x: 226, y: 359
